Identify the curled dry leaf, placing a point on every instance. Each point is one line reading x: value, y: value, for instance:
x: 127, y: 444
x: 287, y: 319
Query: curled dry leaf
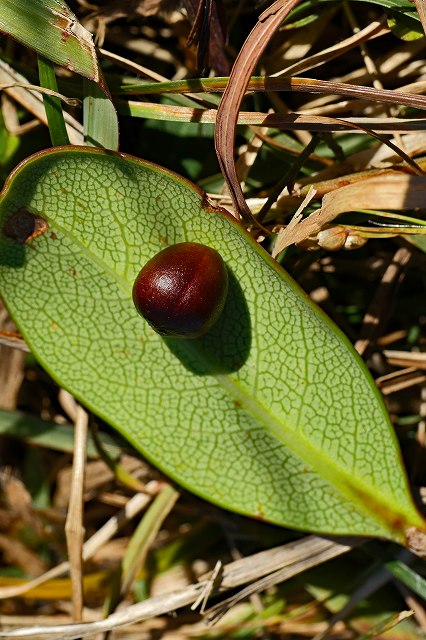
x: 401, y: 191
x: 293, y: 225
x: 227, y: 113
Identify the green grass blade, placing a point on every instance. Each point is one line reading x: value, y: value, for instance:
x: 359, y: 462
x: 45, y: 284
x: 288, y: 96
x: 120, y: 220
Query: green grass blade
x: 50, y: 435
x: 50, y: 28
x: 145, y: 534
x: 99, y: 118
x: 407, y: 576
x: 54, y: 113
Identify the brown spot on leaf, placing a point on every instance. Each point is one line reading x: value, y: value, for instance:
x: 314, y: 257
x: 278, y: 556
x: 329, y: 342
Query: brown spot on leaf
x: 61, y: 22
x: 73, y: 272
x: 23, y: 226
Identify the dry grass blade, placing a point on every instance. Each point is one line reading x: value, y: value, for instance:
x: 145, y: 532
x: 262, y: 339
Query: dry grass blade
x: 74, y: 527
x: 406, y: 358
x: 285, y: 233
x: 249, y: 154
x: 227, y: 114
x: 326, y: 186
x: 12, y: 363
x: 373, y: 30
x: 134, y: 506
x: 389, y: 623
x: 400, y: 380
x: 379, y: 308
x: 13, y: 340
x: 145, y: 535
x: 412, y: 163
x: 401, y: 190
x: 33, y: 101
x: 131, y: 66
x: 271, y: 83
x: 293, y: 121
x: 292, y: 558
x: 356, y: 91
x: 285, y: 573
x: 73, y: 102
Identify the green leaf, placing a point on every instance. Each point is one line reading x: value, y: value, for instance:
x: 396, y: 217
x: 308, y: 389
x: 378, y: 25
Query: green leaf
x: 403, y: 7
x: 50, y: 435
x: 271, y: 414
x: 50, y: 28
x: 405, y: 27
x: 418, y: 241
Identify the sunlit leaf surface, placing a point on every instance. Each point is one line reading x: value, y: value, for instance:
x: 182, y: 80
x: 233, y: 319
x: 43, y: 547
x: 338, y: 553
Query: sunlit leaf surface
x: 271, y: 414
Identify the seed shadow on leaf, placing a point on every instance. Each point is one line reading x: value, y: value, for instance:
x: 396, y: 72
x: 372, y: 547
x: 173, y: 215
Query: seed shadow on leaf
x: 226, y: 347
x: 12, y: 254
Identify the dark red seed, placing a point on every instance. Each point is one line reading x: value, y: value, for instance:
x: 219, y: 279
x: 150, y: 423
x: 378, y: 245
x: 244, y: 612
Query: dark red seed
x: 182, y: 290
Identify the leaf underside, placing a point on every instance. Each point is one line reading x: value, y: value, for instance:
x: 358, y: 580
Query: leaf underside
x: 271, y: 414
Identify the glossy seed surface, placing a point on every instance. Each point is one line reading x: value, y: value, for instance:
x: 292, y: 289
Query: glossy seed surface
x: 182, y: 290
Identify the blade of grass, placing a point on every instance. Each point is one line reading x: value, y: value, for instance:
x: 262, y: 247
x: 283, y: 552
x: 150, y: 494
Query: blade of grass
x: 146, y: 532
x: 32, y: 101
x: 293, y: 558
x: 288, y: 178
x: 386, y: 625
x: 141, y: 541
x: 293, y: 121
x: 100, y: 121
x: 164, y: 112
x: 51, y: 28
x: 407, y: 221
x: 119, y: 471
x: 54, y: 113
x: 74, y: 523
x: 408, y: 576
x: 270, y: 83
x: 50, y: 435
